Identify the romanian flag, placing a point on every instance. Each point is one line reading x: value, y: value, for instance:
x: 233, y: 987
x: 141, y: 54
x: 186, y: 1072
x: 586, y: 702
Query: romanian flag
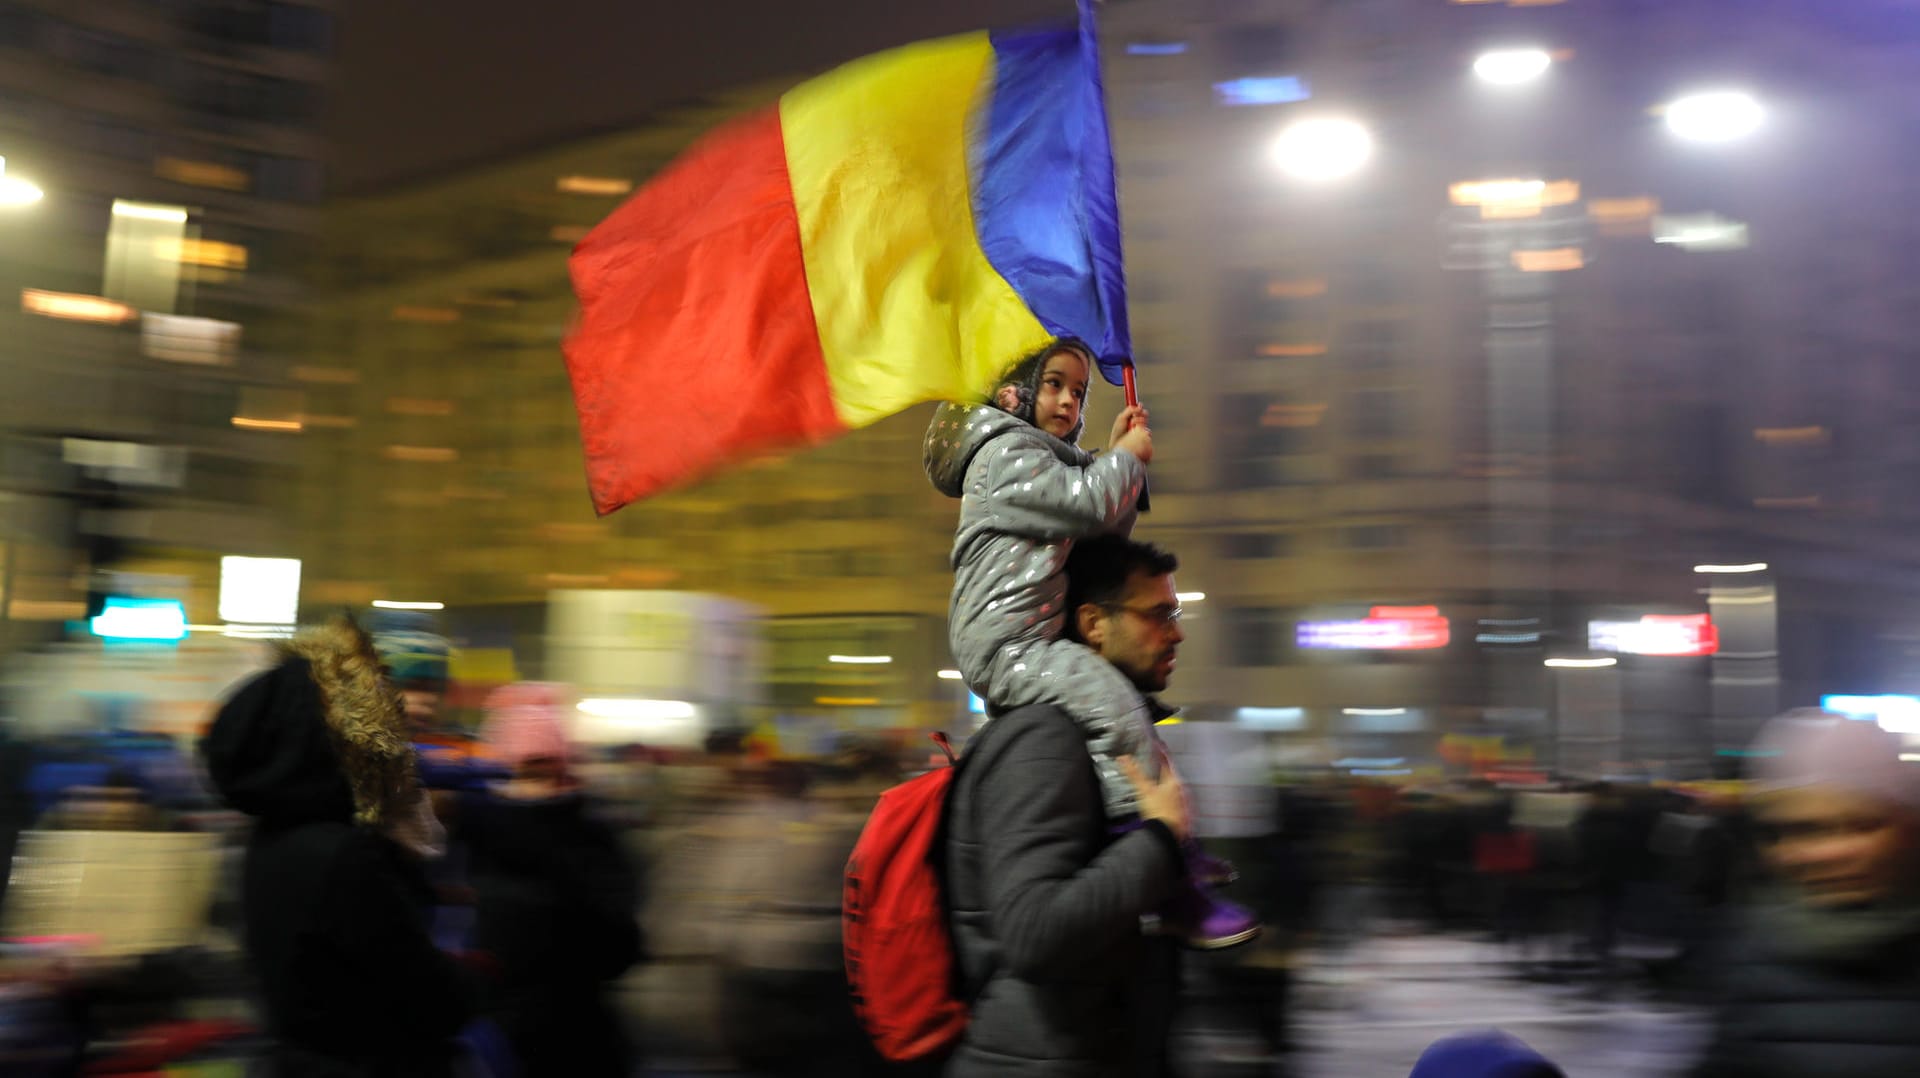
x: 898, y: 230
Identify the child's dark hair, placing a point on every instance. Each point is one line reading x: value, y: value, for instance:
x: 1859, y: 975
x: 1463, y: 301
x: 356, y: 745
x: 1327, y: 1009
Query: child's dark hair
x: 1024, y: 376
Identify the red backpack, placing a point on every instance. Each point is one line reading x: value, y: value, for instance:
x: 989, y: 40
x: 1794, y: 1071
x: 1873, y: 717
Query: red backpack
x: 900, y: 961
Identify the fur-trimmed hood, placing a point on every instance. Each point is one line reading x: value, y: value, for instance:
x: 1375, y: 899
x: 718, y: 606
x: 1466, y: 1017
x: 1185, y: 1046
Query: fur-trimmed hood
x: 320, y: 736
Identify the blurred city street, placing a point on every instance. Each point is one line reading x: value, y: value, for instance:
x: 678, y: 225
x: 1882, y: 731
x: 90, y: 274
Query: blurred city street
x: 1371, y: 1011
x: 495, y: 497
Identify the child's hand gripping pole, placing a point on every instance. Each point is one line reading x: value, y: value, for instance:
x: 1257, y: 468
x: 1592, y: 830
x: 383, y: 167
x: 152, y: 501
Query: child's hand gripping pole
x: 1132, y: 387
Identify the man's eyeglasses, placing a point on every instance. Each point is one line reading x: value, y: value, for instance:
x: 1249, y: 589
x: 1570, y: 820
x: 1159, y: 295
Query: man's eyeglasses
x: 1158, y: 615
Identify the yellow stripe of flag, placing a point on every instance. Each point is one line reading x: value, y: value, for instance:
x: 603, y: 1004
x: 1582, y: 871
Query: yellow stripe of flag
x: 877, y: 156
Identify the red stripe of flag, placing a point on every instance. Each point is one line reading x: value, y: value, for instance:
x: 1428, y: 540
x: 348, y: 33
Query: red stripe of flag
x: 696, y: 344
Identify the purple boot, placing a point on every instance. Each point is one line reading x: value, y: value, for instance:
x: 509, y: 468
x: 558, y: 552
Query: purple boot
x: 1205, y: 921
x: 1202, y: 919
x: 1207, y: 868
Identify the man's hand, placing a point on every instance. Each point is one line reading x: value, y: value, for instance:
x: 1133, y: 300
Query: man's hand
x: 1133, y: 415
x: 1162, y: 799
x: 1139, y: 442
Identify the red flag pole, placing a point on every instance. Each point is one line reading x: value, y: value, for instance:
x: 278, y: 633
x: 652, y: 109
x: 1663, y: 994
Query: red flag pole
x: 1132, y: 387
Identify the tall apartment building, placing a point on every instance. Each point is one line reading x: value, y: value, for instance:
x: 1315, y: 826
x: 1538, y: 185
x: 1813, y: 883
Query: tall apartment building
x: 1380, y: 392
x: 151, y: 295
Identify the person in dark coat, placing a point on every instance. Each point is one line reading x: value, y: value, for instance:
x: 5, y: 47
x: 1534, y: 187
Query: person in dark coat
x: 335, y: 901
x: 556, y: 895
x: 1046, y: 900
x: 1824, y: 976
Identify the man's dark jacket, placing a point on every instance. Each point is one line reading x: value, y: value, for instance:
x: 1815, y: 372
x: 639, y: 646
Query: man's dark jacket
x: 1046, y: 902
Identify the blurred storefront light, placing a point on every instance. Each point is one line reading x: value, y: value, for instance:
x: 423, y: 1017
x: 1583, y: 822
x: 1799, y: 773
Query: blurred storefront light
x: 147, y: 211
x: 1661, y: 635
x: 260, y: 591
x: 1580, y: 664
x: 1191, y: 596
x: 1262, y: 90
x: 1750, y: 567
x: 173, y: 338
x: 1386, y: 628
x: 1893, y: 712
x: 1513, y: 197
x: 397, y: 604
x: 203, y: 174
x: 1323, y: 149
x: 73, y: 307
x: 605, y: 186
x: 860, y: 660
x: 283, y: 426
x: 1550, y: 260
x: 668, y: 723
x: 636, y: 710
x: 150, y: 620
x: 1280, y: 719
x: 1511, y: 67
x: 948, y: 675
x: 1156, y: 48
x: 1714, y: 116
x: 17, y: 191
x: 1623, y: 216
x: 1700, y: 232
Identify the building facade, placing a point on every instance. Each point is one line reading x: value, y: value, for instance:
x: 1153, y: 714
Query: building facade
x: 152, y: 291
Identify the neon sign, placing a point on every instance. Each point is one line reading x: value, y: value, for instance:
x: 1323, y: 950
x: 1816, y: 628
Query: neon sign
x: 1663, y: 635
x: 1385, y: 628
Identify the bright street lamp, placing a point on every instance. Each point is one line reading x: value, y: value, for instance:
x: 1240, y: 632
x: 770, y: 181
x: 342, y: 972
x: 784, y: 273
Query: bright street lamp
x: 1716, y: 116
x: 1580, y: 664
x: 1750, y: 567
x: 1511, y: 67
x: 1322, y: 149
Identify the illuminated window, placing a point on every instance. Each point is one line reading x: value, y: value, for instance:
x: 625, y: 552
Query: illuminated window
x: 1261, y: 90
x: 75, y: 308
x: 267, y: 409
x: 1503, y: 198
x: 593, y: 185
x: 1550, y: 260
x: 202, y: 174
x: 178, y: 339
x: 1785, y: 436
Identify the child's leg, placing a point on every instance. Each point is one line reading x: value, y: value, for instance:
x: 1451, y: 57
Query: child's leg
x: 1099, y: 698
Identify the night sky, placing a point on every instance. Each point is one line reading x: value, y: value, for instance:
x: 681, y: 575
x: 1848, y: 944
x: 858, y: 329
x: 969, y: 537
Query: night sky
x: 426, y: 85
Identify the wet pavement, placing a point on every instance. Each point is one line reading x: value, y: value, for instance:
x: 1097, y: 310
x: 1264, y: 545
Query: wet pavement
x: 1371, y: 1009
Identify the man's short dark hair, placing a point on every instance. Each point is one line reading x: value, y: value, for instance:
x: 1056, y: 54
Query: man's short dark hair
x: 1099, y: 568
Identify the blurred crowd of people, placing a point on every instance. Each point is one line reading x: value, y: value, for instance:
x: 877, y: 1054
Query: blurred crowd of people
x: 581, y: 906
